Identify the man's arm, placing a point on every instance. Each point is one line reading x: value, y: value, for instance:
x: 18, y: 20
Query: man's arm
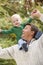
x: 36, y: 14
x: 7, y: 53
x: 41, y: 17
x: 40, y: 42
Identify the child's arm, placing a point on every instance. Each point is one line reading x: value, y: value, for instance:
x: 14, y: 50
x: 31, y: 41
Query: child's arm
x: 29, y: 20
x: 34, y: 14
x: 12, y: 30
x: 6, y: 31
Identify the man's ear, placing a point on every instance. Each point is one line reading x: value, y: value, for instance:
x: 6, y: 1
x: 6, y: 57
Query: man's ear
x: 32, y: 33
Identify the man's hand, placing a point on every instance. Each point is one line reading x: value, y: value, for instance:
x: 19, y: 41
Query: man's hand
x: 36, y: 13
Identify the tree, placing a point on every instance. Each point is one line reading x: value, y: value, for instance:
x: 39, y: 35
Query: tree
x: 27, y: 4
x: 38, y: 2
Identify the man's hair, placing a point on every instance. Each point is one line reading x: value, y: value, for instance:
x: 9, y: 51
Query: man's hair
x: 33, y: 28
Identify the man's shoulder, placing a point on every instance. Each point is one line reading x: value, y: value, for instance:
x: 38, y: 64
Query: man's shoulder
x: 15, y: 46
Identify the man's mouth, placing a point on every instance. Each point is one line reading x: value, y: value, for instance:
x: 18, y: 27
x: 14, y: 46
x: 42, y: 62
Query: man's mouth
x: 23, y: 34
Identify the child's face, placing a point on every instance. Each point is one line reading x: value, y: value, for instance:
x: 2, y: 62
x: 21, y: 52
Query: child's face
x: 15, y: 22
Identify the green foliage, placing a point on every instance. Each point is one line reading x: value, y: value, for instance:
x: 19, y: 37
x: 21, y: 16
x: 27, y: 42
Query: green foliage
x: 7, y: 62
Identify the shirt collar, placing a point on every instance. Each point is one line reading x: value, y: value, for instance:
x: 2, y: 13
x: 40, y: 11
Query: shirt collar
x: 30, y: 42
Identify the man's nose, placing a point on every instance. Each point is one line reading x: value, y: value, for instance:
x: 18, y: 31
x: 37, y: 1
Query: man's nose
x: 23, y: 29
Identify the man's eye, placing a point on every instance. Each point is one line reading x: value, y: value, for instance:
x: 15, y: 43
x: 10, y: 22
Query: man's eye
x: 16, y: 20
x: 13, y: 21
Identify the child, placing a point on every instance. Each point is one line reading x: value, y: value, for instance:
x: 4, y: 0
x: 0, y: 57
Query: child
x: 17, y: 26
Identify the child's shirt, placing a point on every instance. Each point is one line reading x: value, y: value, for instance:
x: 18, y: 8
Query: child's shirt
x: 17, y: 30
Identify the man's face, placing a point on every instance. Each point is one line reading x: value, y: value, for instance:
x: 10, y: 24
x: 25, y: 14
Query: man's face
x: 27, y: 32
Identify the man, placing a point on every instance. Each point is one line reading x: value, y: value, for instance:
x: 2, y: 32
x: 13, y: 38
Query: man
x: 34, y: 56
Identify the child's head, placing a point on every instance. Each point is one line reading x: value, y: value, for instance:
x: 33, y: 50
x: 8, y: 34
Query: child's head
x: 16, y: 19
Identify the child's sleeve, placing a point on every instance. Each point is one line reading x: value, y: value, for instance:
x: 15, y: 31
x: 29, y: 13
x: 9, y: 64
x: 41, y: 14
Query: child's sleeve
x: 7, y: 31
x: 29, y: 20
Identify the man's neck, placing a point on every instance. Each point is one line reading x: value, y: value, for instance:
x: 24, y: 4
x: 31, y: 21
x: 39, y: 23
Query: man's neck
x: 29, y: 39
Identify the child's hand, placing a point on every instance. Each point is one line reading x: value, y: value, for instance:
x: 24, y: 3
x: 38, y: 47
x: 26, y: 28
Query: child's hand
x: 35, y: 13
x: 0, y: 30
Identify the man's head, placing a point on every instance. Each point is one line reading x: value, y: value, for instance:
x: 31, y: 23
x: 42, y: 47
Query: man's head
x: 29, y: 31
x: 16, y: 19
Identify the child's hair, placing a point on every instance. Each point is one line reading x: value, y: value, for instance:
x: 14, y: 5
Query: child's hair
x: 16, y: 16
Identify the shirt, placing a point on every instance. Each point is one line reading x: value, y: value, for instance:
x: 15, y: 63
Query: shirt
x: 34, y: 56
x: 41, y: 17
